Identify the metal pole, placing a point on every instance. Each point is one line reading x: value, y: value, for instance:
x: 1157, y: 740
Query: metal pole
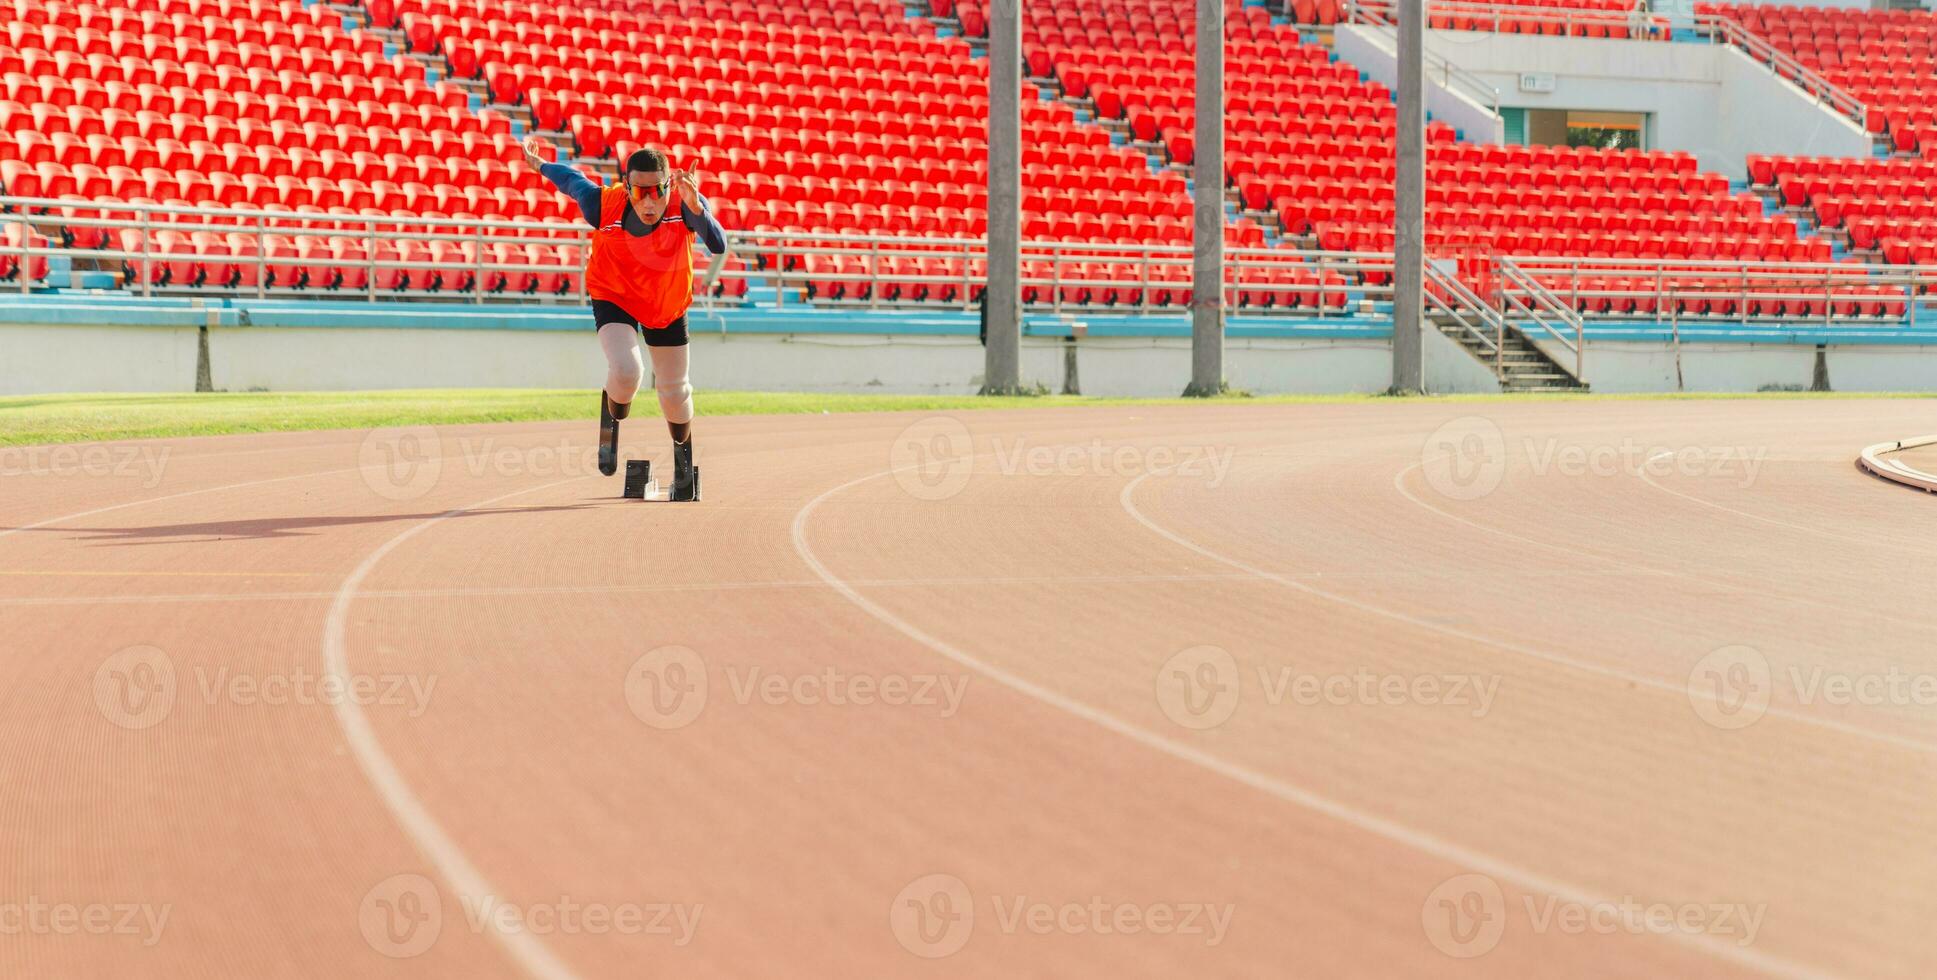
x: 1207, y: 231
x: 1002, y: 359
x: 1409, y: 242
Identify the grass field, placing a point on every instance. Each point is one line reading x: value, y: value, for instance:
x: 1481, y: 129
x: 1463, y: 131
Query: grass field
x: 38, y: 419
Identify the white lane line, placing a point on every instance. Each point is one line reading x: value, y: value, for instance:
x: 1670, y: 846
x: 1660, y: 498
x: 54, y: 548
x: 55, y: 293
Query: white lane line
x: 410, y: 812
x: 1587, y: 666
x: 1398, y: 483
x: 1819, y: 532
x: 481, y: 593
x: 1453, y: 853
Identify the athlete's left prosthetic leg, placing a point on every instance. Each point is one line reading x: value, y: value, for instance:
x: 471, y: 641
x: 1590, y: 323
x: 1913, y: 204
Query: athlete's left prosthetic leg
x: 623, y: 372
x: 669, y: 366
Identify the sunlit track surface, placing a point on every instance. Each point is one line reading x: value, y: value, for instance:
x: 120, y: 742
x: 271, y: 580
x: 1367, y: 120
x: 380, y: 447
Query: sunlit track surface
x: 1399, y: 688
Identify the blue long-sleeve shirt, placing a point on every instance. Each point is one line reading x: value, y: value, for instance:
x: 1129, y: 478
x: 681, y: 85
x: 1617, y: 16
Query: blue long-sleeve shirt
x: 581, y: 189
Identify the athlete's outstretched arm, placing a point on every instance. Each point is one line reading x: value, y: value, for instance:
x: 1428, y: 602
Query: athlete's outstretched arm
x: 566, y: 178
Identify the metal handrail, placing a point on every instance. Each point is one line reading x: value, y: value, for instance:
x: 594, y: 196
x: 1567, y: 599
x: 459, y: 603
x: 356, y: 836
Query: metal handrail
x: 1641, y: 22
x: 1381, y: 15
x: 1328, y: 279
x: 1545, y: 303
x: 1730, y: 31
x: 1464, y: 300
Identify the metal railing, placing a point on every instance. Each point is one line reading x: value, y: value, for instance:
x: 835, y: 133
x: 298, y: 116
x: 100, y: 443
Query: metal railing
x: 1540, y: 307
x: 266, y: 253
x: 1714, y: 291
x: 1727, y: 30
x: 1382, y: 15
x: 1445, y: 294
x: 1505, y: 18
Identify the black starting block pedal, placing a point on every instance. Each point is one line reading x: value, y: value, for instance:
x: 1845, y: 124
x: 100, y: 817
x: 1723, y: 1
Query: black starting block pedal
x: 638, y: 479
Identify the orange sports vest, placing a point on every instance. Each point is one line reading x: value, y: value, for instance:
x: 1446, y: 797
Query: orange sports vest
x: 650, y: 277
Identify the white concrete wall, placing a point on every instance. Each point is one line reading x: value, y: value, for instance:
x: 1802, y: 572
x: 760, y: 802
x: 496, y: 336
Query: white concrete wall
x: 1709, y: 100
x: 1375, y: 51
x: 1614, y: 368
x: 37, y: 360
x: 1452, y: 369
x: 46, y: 359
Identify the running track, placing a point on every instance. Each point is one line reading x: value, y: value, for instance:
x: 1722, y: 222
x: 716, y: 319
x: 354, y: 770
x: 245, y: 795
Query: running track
x: 560, y: 705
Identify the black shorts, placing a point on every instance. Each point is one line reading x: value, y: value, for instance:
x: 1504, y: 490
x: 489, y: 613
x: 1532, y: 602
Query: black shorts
x: 673, y: 335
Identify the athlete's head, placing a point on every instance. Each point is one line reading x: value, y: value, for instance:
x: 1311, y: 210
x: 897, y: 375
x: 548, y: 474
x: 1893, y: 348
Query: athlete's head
x: 649, y: 182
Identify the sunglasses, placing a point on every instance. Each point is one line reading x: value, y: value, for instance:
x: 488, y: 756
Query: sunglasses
x: 650, y: 191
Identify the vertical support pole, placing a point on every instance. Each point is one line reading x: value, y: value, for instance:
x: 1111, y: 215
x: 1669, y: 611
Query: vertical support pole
x: 1002, y: 359
x: 1207, y: 231
x: 1409, y: 241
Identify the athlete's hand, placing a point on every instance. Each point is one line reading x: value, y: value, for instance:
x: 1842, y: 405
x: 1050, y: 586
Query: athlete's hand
x: 687, y: 181
x: 539, y: 150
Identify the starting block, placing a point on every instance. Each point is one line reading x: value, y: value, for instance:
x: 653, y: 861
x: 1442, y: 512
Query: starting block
x: 639, y: 484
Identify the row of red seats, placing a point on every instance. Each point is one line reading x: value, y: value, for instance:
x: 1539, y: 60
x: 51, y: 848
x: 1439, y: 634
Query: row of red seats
x: 266, y: 159
x: 1691, y: 295
x: 1303, y: 214
x: 206, y: 138
x: 1618, y: 25
x: 1378, y: 238
x: 551, y: 107
x: 646, y: 52
x: 1294, y: 59
x: 1767, y: 170
x: 157, y: 91
x: 1308, y: 151
x: 214, y: 105
x: 510, y: 83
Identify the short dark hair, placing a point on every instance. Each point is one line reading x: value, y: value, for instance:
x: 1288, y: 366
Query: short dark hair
x: 645, y: 160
